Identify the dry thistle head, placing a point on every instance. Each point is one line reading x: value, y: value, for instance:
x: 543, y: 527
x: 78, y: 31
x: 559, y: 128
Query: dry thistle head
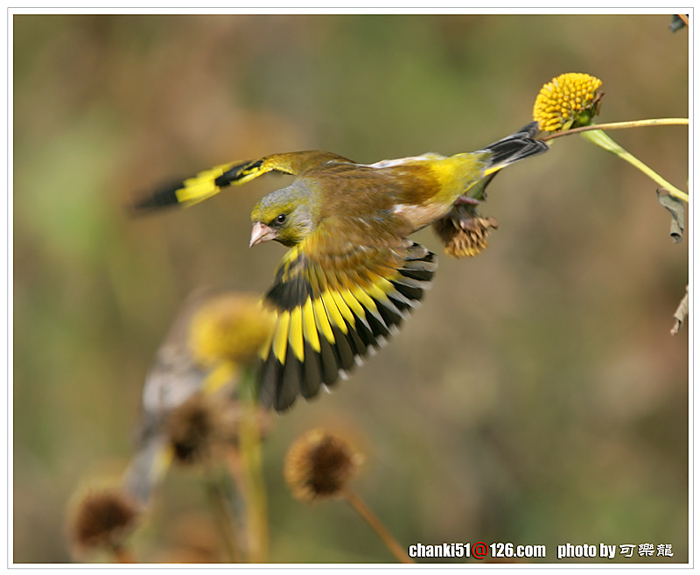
x: 196, y: 429
x: 463, y: 232
x: 204, y: 426
x: 230, y: 327
x: 568, y: 101
x: 102, y: 518
x: 319, y: 465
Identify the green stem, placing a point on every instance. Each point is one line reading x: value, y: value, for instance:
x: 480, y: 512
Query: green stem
x: 620, y: 126
x: 251, y: 459
x: 600, y: 138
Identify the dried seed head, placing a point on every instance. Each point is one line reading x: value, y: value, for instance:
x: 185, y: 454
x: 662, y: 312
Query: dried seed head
x: 195, y: 429
x: 319, y: 465
x: 102, y: 518
x: 463, y: 232
x: 204, y: 426
x: 569, y: 100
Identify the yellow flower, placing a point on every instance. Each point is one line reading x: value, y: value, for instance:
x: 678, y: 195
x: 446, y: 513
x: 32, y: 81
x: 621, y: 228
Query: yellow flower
x: 231, y: 327
x: 569, y: 100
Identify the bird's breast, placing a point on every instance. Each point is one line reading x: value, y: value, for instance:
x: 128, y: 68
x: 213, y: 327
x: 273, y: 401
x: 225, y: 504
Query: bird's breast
x: 420, y: 215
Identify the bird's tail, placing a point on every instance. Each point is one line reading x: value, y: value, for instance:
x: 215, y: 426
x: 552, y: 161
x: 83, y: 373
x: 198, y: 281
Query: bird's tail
x: 463, y: 231
x: 518, y: 146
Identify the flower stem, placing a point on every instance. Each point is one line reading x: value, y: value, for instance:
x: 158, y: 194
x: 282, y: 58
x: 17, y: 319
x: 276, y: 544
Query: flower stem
x: 378, y: 527
x: 600, y: 138
x: 224, y: 519
x: 620, y: 126
x: 122, y: 554
x: 251, y: 459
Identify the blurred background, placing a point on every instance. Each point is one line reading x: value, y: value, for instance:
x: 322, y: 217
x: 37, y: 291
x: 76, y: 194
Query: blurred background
x: 537, y: 397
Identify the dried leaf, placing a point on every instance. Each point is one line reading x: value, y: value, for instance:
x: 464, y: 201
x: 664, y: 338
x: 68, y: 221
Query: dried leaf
x: 676, y: 23
x: 675, y: 206
x: 681, y: 313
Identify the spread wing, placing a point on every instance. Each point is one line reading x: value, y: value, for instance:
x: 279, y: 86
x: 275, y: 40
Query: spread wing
x: 336, y: 302
x: 210, y: 182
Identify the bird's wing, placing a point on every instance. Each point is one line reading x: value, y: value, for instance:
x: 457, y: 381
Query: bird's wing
x: 337, y: 301
x: 210, y: 182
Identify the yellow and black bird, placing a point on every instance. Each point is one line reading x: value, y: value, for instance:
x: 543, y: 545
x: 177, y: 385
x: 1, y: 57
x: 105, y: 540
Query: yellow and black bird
x: 351, y: 275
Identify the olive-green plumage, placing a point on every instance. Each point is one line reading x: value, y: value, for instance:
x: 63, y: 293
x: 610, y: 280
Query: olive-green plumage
x: 351, y: 275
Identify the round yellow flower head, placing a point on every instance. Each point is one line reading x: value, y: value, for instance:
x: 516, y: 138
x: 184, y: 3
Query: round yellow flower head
x: 230, y: 327
x: 569, y: 100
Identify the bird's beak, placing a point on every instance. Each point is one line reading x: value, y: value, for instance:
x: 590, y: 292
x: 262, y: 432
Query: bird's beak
x: 261, y: 233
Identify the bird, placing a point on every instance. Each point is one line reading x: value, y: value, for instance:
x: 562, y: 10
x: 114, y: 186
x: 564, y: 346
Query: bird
x: 351, y: 275
x: 194, y: 393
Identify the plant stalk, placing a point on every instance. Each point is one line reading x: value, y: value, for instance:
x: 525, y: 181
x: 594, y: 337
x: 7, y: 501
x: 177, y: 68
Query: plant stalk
x: 601, y: 139
x: 256, y: 498
x: 224, y: 519
x: 377, y: 525
x: 620, y: 126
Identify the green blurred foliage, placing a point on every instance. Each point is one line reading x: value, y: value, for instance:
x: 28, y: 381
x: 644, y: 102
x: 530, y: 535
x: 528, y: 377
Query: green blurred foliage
x: 537, y: 397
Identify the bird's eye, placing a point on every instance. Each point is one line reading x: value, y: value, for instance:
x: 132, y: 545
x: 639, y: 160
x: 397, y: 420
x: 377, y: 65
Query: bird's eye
x: 279, y: 220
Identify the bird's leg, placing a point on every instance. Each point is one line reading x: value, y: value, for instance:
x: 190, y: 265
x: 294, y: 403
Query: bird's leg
x: 468, y: 200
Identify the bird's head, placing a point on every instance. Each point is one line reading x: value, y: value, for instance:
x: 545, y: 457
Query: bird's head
x: 284, y: 216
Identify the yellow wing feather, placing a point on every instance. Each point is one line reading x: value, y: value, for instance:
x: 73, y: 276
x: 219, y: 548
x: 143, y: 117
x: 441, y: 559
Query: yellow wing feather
x: 331, y: 316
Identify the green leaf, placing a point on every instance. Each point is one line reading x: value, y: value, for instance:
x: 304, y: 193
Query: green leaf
x: 675, y: 206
